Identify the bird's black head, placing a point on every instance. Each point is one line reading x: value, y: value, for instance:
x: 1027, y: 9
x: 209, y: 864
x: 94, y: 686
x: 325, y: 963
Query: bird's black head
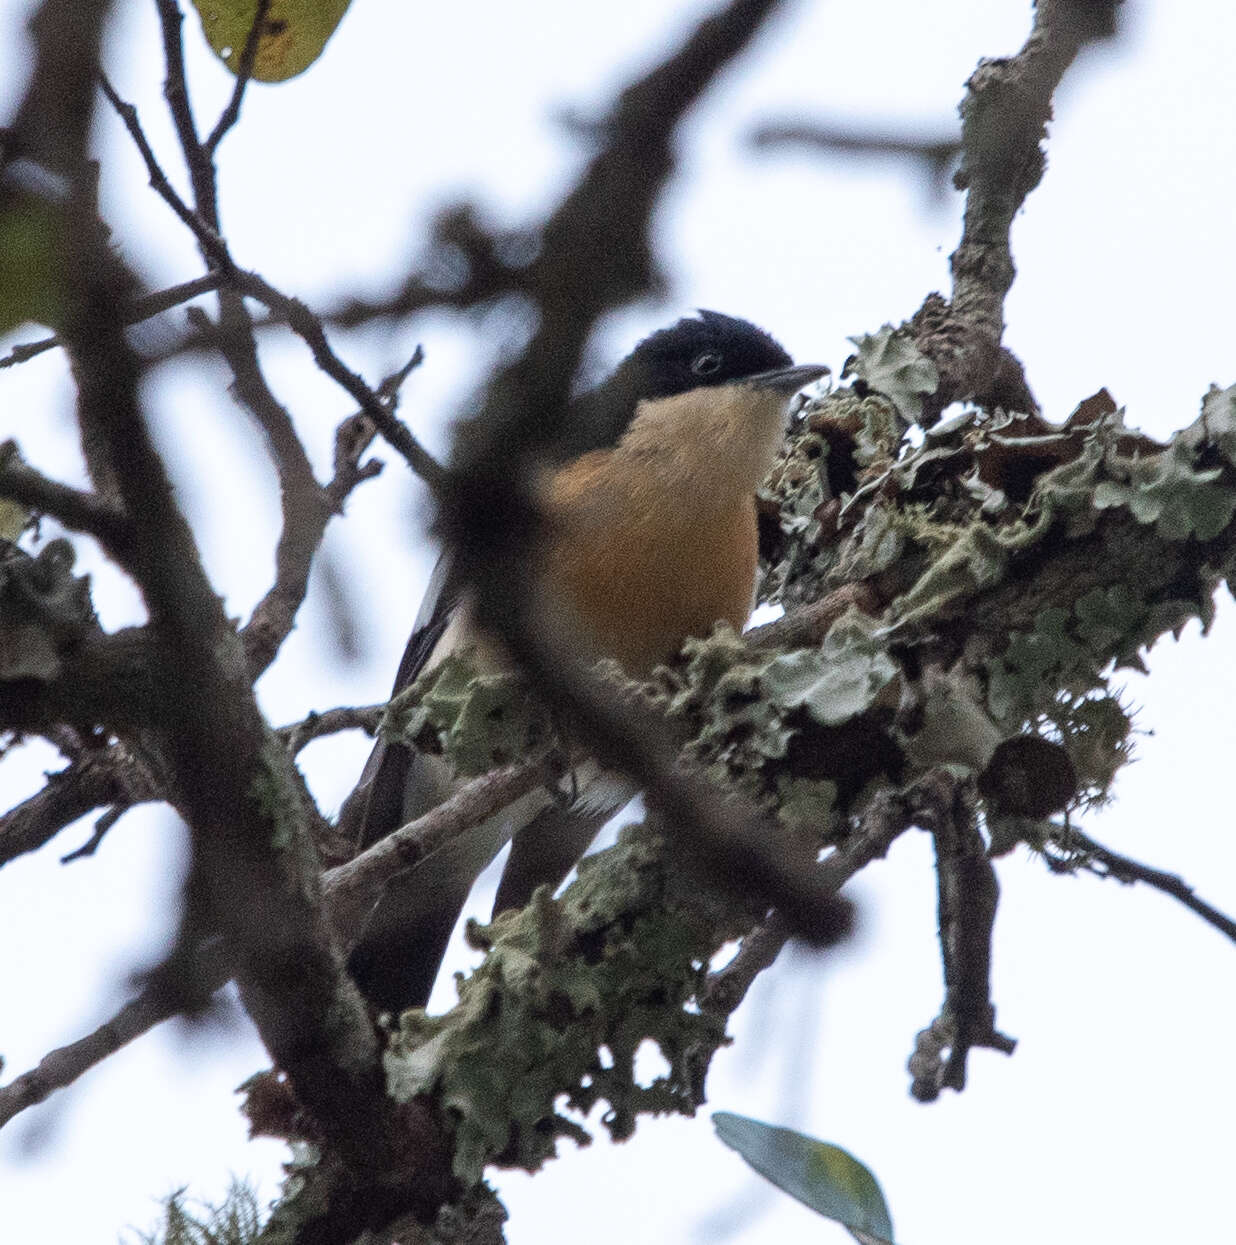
x: 698, y: 351
x: 702, y: 350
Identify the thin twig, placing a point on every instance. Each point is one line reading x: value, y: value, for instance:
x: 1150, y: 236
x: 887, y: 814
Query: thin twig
x: 937, y: 154
x: 176, y: 93
x: 213, y: 246
x: 96, y: 780
x: 480, y: 270
x: 1107, y: 863
x: 59, y: 1068
x: 298, y: 735
x: 298, y: 317
x: 389, y: 389
x: 101, y: 826
x: 841, y: 137
x: 143, y: 309
x: 305, y: 516
x: 308, y: 327
x: 808, y: 624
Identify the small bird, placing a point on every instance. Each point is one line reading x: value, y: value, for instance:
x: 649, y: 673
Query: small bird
x: 651, y: 539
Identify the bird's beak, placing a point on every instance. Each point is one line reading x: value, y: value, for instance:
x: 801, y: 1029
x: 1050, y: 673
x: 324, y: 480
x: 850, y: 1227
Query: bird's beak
x: 787, y: 380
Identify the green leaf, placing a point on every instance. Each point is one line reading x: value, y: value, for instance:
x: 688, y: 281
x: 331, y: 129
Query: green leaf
x: 295, y: 34
x: 824, y: 1177
x: 31, y: 274
x: 14, y: 518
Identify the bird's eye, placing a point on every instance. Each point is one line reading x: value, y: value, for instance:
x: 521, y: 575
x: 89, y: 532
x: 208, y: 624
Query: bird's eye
x: 706, y: 364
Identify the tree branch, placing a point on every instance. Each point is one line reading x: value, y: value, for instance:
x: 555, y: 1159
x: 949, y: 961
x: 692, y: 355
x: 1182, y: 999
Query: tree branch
x: 1083, y: 851
x: 809, y: 624
x: 1004, y: 118
x: 110, y: 777
x: 968, y: 895
x: 936, y: 155
x: 480, y: 269
x: 298, y: 735
x: 349, y: 893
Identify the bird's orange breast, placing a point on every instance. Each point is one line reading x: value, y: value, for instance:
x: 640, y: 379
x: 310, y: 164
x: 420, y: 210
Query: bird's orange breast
x: 644, y: 568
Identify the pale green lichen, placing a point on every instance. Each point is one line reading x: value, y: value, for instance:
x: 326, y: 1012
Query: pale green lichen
x: 891, y: 363
x: 476, y: 719
x: 270, y: 789
x: 1170, y: 492
x: 848, y: 674
x: 756, y: 718
x: 551, y: 1021
x: 44, y: 610
x: 975, y: 560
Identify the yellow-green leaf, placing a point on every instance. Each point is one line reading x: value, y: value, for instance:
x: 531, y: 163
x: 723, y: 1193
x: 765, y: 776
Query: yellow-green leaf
x: 13, y: 519
x: 295, y: 33
x: 822, y: 1176
x: 31, y: 274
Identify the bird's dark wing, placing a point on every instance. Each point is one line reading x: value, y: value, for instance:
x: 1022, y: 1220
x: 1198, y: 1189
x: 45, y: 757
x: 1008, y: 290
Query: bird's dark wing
x: 397, y: 957
x: 376, y: 805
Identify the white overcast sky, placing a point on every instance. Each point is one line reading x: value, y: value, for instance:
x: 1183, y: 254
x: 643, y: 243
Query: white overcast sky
x: 1113, y: 1120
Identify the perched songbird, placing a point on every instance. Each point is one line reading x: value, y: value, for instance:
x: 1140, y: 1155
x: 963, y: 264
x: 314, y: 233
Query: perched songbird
x: 651, y: 539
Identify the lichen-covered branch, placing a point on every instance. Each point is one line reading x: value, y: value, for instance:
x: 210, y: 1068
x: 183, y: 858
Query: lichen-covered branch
x: 1004, y: 116
x: 968, y: 696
